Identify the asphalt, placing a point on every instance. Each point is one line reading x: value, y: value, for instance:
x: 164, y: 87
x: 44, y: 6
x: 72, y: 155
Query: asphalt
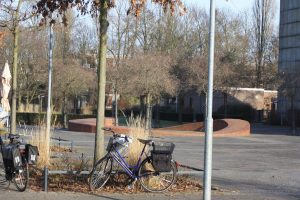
x: 263, y: 166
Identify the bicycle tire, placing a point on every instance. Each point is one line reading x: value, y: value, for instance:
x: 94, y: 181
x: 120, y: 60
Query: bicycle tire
x: 100, y: 173
x: 155, y: 181
x: 21, y: 177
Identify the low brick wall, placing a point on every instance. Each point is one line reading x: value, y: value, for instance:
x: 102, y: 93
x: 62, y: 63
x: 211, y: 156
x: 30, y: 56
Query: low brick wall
x: 88, y: 125
x: 231, y: 128
x: 222, y: 128
x: 197, y: 126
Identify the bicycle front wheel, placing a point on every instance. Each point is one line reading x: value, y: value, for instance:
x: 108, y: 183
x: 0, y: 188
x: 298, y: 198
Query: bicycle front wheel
x: 21, y: 178
x: 155, y: 181
x: 101, y: 173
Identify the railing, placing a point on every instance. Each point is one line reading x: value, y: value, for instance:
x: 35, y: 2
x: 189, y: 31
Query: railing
x: 61, y: 141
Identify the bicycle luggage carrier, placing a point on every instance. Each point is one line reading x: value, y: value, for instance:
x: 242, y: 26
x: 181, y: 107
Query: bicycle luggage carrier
x: 163, y: 147
x: 162, y: 156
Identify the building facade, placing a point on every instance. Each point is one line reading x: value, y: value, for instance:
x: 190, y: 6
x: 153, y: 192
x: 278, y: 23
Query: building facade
x: 289, y: 58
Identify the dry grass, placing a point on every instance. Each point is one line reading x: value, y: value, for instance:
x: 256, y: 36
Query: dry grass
x: 136, y: 130
x: 39, y: 139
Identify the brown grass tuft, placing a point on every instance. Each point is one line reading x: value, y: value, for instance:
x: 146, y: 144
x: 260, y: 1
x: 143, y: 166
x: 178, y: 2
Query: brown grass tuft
x: 136, y: 130
x: 39, y: 139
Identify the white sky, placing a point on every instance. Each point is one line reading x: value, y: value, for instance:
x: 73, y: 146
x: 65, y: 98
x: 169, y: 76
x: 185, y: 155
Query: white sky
x: 236, y: 5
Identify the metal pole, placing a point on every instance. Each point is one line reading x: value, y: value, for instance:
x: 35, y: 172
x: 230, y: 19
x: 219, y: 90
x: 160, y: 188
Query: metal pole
x: 116, y: 105
x: 48, y: 125
x: 209, y: 119
x: 46, y: 171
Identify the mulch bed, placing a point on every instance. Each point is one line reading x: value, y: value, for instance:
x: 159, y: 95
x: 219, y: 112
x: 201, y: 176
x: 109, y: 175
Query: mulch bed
x: 117, y: 183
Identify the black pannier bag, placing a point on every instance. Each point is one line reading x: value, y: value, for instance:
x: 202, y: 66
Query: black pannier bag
x: 32, y: 153
x: 11, y: 157
x: 162, y: 156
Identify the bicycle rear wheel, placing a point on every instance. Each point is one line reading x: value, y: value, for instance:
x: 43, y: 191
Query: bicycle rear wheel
x: 21, y: 178
x: 155, y: 181
x: 101, y: 173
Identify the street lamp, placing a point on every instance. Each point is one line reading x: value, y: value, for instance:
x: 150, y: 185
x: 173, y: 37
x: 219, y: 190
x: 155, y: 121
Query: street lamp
x: 50, y: 66
x: 209, y: 119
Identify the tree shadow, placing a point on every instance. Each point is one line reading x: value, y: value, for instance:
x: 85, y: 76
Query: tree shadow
x: 263, y: 129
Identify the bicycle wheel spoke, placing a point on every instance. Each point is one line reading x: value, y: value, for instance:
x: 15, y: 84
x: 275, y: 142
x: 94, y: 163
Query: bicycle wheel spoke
x: 100, y: 173
x: 156, y: 181
x: 21, y: 178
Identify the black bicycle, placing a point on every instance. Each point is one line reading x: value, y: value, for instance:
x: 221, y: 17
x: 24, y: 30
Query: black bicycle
x: 14, y: 167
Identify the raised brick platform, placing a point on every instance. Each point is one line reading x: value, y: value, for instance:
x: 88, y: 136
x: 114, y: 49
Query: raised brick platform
x: 222, y: 128
x: 87, y: 125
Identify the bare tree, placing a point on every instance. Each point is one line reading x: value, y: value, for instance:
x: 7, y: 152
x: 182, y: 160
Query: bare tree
x: 148, y: 75
x: 263, y: 28
x: 100, y: 7
x: 11, y: 14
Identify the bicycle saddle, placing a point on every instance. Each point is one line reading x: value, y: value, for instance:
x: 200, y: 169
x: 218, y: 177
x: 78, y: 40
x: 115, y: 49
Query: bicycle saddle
x: 13, y: 136
x: 144, y: 141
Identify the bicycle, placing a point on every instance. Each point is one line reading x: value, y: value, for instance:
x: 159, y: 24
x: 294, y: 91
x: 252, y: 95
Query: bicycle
x: 151, y: 177
x: 15, y: 167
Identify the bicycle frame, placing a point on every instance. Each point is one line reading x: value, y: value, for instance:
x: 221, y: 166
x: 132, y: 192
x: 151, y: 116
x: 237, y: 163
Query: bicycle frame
x: 120, y: 160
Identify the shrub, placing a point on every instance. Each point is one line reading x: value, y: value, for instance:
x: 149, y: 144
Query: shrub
x: 241, y: 111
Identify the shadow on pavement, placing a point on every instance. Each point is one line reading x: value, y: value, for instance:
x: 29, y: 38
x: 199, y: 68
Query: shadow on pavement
x: 263, y: 129
x: 105, y: 197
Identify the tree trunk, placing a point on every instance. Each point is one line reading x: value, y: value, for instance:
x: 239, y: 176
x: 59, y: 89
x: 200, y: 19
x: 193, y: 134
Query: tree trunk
x: 148, y: 112
x: 27, y: 102
x: 19, y: 102
x: 99, y: 137
x: 225, y: 104
x: 15, y: 69
x: 157, y: 115
x: 180, y: 108
x: 116, y: 106
x: 142, y: 106
x: 63, y: 112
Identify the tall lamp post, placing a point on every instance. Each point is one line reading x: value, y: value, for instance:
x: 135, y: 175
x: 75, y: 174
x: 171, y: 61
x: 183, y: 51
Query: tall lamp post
x: 209, y: 119
x: 50, y: 65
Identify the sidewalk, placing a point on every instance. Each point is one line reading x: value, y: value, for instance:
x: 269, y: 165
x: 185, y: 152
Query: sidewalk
x: 30, y: 195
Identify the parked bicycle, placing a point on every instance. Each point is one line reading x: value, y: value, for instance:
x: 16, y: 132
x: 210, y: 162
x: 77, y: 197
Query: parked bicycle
x: 16, y: 157
x: 156, y: 172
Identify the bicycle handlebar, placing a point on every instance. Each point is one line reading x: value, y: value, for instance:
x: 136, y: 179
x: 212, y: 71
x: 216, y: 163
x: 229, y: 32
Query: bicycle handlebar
x: 115, y: 135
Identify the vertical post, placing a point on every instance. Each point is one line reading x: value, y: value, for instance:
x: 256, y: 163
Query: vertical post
x: 209, y: 119
x: 46, y: 179
x: 116, y: 105
x: 50, y: 57
x: 14, y: 82
x: 13, y: 122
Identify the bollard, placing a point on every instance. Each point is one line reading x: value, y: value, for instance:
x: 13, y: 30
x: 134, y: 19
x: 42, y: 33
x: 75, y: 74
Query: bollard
x: 46, y: 171
x: 71, y: 146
